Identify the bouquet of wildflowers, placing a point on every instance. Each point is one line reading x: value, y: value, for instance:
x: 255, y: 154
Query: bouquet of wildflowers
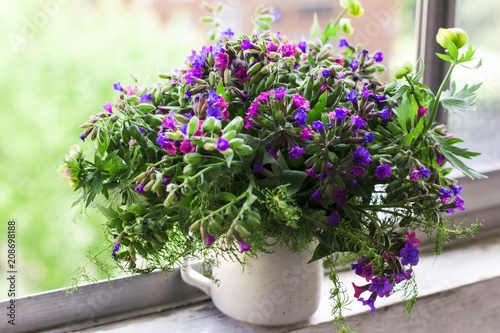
x: 261, y: 136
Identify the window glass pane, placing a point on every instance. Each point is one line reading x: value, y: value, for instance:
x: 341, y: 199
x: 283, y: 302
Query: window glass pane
x: 479, y: 129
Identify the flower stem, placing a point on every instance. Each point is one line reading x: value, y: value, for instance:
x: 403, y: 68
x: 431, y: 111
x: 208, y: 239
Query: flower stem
x: 435, y: 103
x: 412, y: 89
x: 342, y: 13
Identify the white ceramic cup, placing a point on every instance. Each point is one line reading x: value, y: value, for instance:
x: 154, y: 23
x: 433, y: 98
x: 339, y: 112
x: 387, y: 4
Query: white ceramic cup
x: 273, y: 289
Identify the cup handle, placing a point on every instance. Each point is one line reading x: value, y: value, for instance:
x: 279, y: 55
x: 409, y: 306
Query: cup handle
x: 195, y: 279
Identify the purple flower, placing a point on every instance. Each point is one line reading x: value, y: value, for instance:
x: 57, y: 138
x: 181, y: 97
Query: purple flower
x: 301, y: 118
x: 352, y: 96
x: 245, y: 44
x: 415, y: 174
x: 168, y: 122
x: 214, y: 111
x: 83, y: 136
x: 228, y: 33
x: 311, y: 173
x: 378, y: 56
x: 316, y: 196
x: 213, y: 97
x: 333, y: 218
x: 383, y: 171
x: 118, y: 86
x: 108, y: 107
x: 381, y: 286
x: 326, y: 72
x: 257, y: 168
x: 210, y: 240
x: 340, y: 113
x: 271, y: 47
x: 425, y: 172
x: 380, y: 99
x: 222, y: 144
x: 405, y: 275
x: 145, y: 98
x: 115, y: 249
x: 440, y: 159
x: 370, y: 302
x: 280, y: 92
x: 139, y: 189
x: 456, y: 190
x: 276, y: 15
x: 271, y: 151
x: 165, y: 180
x: 296, y: 151
x: 459, y: 203
x: 409, y: 255
x: 421, y: 110
x: 317, y: 125
x: 362, y: 156
x: 244, y: 246
x: 367, y: 92
x: 385, y: 113
x: 368, y: 137
x: 343, y: 42
x: 197, y: 60
x: 354, y: 64
x: 192, y: 74
x: 412, y: 238
x: 183, y: 129
x: 302, y: 46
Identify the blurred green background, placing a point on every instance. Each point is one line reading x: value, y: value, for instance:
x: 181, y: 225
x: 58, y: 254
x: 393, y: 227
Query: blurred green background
x: 57, y: 65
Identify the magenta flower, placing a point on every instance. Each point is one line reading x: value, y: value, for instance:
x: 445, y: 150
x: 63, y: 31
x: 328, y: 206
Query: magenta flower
x: 108, y: 107
x: 301, y: 102
x: 415, y: 174
x: 244, y: 246
x: 421, y: 111
x: 187, y: 147
x: 289, y: 49
x: 280, y: 92
x: 241, y: 74
x: 170, y: 147
x: 306, y: 133
x: 130, y: 90
x: 359, y: 290
x: 366, y: 92
x: 412, y: 238
x: 169, y: 122
x: 311, y: 173
x: 383, y: 171
x: 222, y: 60
x: 357, y: 171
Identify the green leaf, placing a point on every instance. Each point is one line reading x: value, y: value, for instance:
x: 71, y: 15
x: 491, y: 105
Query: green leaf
x: 352, y: 216
x: 445, y: 57
x: 406, y: 110
x: 451, y: 153
x: 146, y: 107
x: 225, y: 196
x: 452, y: 48
x: 315, y: 28
x: 295, y: 178
x: 222, y: 91
x: 420, y: 73
x: 206, y: 19
x: 95, y: 187
x: 460, y: 101
x: 315, y: 113
x: 108, y: 212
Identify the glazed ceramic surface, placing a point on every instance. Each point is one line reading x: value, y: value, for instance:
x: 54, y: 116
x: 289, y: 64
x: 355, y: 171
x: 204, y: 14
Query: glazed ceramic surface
x: 273, y: 289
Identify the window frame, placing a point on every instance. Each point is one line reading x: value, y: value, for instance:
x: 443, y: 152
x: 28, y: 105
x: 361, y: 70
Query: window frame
x: 120, y: 298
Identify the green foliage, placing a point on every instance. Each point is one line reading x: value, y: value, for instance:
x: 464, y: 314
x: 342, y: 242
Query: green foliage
x: 463, y: 100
